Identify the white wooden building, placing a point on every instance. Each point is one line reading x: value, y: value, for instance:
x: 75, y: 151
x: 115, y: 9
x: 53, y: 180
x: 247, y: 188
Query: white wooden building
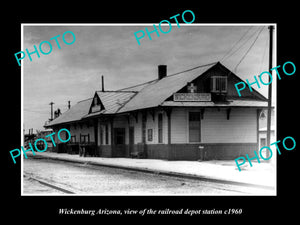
x: 192, y: 115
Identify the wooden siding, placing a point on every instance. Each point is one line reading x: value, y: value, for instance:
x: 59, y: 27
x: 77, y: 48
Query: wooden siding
x: 105, y: 151
x: 203, y: 84
x: 211, y: 151
x: 215, y: 128
x: 82, y: 129
x: 138, y: 129
x: 158, y: 151
x: 240, y: 128
x: 102, y: 126
x: 179, y: 126
x: 165, y: 128
x: 76, y: 130
x: 150, y: 124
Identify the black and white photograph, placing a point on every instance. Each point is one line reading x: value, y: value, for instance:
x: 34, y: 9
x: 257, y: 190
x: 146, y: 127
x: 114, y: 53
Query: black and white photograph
x: 162, y: 109
x: 149, y: 112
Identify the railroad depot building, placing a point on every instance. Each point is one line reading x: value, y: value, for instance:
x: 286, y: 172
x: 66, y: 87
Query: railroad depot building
x: 192, y: 115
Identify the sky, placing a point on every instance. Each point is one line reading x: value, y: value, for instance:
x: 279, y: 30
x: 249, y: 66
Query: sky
x: 73, y: 73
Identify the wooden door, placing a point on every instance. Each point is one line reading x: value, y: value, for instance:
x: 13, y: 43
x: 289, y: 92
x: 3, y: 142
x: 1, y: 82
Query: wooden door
x: 131, y: 140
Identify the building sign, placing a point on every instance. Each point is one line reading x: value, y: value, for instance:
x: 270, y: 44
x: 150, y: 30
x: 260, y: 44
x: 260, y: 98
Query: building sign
x: 192, y: 97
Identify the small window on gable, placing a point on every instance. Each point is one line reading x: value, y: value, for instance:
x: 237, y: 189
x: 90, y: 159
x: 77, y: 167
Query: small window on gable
x: 95, y: 101
x: 96, y: 106
x: 218, y: 84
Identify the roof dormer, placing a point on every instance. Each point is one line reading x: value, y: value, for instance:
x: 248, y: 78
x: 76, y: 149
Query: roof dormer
x: 96, y: 105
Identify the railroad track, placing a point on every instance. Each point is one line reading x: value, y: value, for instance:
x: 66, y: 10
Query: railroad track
x: 48, y: 184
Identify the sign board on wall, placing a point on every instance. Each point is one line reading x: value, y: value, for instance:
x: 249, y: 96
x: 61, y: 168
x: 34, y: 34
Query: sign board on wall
x: 192, y: 97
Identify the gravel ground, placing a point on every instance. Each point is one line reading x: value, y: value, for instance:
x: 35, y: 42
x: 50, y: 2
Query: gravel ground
x: 87, y: 179
x: 33, y: 187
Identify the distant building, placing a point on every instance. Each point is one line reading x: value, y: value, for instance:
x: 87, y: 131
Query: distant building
x: 192, y: 115
x: 42, y: 134
x: 29, y: 137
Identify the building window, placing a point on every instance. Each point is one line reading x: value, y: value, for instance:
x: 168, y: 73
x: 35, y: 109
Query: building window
x: 144, y: 120
x: 106, y: 134
x: 84, y: 138
x: 194, y: 127
x: 160, y: 128
x: 218, y: 84
x: 150, y: 134
x: 101, y: 135
x: 73, y: 139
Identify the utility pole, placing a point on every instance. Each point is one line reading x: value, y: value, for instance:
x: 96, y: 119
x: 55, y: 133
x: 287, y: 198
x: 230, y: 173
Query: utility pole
x: 51, y: 103
x: 270, y: 87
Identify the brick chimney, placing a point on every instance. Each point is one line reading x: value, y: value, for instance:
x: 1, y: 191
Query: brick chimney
x: 162, y: 71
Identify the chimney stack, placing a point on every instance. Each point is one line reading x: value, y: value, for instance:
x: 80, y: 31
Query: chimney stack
x: 51, y: 103
x: 102, y: 78
x: 162, y: 71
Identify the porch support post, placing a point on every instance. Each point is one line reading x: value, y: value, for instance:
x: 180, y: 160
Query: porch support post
x: 95, y: 122
x: 169, y: 112
x: 112, y: 136
x: 202, y: 110
x: 257, y: 127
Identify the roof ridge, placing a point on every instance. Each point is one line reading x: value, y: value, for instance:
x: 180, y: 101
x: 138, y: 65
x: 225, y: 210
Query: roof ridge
x: 170, y: 75
x: 192, y: 69
x: 118, y: 91
x: 137, y: 85
x: 84, y: 99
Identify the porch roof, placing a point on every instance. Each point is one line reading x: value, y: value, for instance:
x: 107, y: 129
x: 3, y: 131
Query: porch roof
x: 75, y: 113
x: 112, y: 101
x: 232, y: 103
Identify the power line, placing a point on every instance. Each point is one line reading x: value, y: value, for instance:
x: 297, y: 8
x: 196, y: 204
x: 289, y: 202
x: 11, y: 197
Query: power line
x: 264, y: 53
x: 245, y: 42
x: 249, y: 48
x: 236, y: 43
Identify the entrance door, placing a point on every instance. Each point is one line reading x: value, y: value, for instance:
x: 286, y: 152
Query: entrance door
x: 131, y: 140
x: 119, y: 142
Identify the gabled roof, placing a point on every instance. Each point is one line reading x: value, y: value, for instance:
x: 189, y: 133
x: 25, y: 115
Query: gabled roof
x: 75, y: 113
x: 112, y: 101
x: 151, y: 94
x: 156, y: 92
